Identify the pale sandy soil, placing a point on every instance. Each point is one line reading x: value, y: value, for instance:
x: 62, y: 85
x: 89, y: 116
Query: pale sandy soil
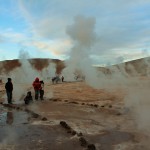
x: 100, y: 115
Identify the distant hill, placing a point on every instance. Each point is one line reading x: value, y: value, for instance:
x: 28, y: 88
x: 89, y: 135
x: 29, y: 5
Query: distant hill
x: 37, y: 63
x: 138, y: 67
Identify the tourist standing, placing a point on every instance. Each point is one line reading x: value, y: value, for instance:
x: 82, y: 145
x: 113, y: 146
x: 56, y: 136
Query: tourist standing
x: 9, y: 89
x: 42, y: 90
x: 37, y: 85
x: 62, y: 78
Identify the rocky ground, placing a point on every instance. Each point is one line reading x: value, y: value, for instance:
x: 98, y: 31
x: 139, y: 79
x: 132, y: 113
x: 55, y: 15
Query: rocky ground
x: 72, y: 116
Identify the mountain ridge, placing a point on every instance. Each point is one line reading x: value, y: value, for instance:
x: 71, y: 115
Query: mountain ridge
x: 134, y: 67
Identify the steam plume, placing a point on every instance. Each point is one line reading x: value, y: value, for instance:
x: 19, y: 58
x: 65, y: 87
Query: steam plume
x: 124, y: 76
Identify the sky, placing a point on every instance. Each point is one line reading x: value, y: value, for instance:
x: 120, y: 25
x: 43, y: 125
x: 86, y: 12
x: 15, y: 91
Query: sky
x: 39, y: 27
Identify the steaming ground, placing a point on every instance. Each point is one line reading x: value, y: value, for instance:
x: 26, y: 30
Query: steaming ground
x: 100, y: 115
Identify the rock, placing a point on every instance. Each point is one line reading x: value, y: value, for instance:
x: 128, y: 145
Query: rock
x: 17, y: 108
x: 95, y: 105
x: 79, y: 134
x: 66, y: 100
x: 27, y: 110
x: 74, y: 102
x: 83, y: 142
x: 73, y: 132
x: 69, y: 131
x: 34, y: 115
x: 110, y: 106
x: 91, y: 147
x: 118, y: 113
x: 25, y: 123
x: 62, y: 123
x: 44, y: 119
x: 55, y: 100
x: 65, y: 125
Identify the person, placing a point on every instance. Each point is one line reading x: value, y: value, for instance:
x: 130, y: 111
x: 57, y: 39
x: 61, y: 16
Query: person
x: 37, y: 85
x: 28, y: 98
x: 42, y: 89
x: 62, y: 78
x: 9, y: 89
x: 53, y: 79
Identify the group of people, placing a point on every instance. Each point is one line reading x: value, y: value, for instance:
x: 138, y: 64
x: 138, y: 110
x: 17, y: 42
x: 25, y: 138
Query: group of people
x: 38, y: 89
x: 57, y: 79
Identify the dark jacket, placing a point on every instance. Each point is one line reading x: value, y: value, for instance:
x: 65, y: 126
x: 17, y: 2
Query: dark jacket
x: 28, y: 98
x: 9, y: 86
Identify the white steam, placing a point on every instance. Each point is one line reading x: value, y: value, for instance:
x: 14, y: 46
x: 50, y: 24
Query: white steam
x: 123, y: 76
x: 23, y: 76
x: 83, y: 35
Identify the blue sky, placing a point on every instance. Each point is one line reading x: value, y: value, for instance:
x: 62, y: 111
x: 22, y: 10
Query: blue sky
x: 39, y: 28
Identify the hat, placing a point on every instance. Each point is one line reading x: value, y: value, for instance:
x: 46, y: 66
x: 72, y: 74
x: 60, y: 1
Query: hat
x: 9, y: 79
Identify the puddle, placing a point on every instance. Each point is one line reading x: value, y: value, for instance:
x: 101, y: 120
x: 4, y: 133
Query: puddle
x: 37, y: 137
x: 12, y: 117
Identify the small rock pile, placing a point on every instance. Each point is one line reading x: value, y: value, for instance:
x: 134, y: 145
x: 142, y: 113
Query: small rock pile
x: 83, y: 142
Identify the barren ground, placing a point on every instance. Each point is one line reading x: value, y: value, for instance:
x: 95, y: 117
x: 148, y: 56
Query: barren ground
x: 98, y: 116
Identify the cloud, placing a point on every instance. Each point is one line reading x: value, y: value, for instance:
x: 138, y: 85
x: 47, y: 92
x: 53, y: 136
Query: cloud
x: 119, y: 25
x: 10, y: 35
x: 45, y: 23
x: 117, y: 56
x: 50, y: 28
x: 1, y: 39
x: 56, y: 48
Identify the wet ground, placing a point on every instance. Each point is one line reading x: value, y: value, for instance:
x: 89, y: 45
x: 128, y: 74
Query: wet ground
x: 35, y: 137
x: 17, y: 131
x: 98, y: 116
x: 9, y: 116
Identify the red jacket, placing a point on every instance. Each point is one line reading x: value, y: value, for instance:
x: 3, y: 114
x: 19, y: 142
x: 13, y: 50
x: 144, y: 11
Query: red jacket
x: 36, y: 84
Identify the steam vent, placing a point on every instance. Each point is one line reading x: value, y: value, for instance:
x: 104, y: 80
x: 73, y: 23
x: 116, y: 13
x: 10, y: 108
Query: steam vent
x: 106, y: 110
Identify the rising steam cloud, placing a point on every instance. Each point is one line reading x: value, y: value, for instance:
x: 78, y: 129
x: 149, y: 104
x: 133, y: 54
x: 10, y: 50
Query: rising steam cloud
x: 84, y: 37
x: 24, y: 75
x: 82, y: 32
x: 123, y: 76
